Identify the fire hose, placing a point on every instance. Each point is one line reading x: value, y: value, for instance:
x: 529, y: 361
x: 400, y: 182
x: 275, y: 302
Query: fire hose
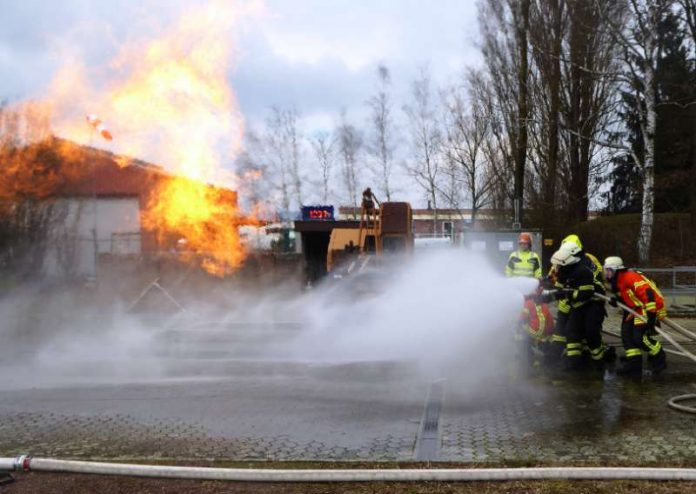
x: 674, y: 401
x: 27, y: 464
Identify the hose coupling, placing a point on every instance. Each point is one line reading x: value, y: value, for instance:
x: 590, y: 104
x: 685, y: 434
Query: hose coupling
x: 23, y: 463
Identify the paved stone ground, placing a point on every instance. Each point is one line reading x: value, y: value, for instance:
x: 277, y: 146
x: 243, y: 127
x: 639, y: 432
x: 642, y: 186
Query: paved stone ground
x: 583, y: 419
x: 255, y: 418
x: 368, y: 411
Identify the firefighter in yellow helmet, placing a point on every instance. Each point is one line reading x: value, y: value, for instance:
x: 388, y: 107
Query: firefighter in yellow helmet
x: 588, y: 318
x: 524, y: 261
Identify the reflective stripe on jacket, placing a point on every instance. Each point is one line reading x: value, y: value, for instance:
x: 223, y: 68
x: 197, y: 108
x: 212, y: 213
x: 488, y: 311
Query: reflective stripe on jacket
x: 537, y: 320
x: 597, y: 272
x: 640, y: 294
x: 523, y: 263
x: 580, y: 279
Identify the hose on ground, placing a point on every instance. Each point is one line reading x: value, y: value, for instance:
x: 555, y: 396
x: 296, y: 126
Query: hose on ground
x: 673, y: 402
x: 664, y: 334
x: 26, y: 464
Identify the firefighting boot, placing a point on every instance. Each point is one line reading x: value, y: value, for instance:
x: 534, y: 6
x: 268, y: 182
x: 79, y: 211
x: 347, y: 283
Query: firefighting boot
x: 658, y: 362
x: 574, y: 363
x: 609, y: 354
x: 631, y: 367
x: 553, y: 354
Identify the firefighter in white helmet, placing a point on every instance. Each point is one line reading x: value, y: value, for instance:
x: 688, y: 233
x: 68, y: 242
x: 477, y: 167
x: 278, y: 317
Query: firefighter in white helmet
x: 576, y: 288
x: 641, y: 294
x: 605, y: 353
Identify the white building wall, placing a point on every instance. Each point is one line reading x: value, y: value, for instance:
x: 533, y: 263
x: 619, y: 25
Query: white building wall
x: 74, y: 246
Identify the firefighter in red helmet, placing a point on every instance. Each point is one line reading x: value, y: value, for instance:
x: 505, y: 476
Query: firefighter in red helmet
x: 524, y: 261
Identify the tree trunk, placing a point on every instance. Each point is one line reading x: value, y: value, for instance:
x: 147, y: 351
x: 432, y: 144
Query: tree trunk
x: 433, y: 197
x: 692, y: 196
x: 522, y: 26
x: 647, y: 214
x: 554, y: 85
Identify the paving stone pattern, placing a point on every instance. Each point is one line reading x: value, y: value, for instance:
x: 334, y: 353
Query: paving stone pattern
x: 605, y: 421
x: 354, y: 413
x: 245, y: 419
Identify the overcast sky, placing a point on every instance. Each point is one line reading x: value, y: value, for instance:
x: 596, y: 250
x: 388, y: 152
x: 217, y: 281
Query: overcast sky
x: 316, y: 55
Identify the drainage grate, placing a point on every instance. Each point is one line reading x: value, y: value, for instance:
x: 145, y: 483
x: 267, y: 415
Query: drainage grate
x: 428, y: 444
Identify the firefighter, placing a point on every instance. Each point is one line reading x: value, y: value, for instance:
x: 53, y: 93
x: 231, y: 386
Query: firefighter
x: 576, y: 289
x: 575, y: 248
x: 641, y: 294
x: 524, y: 261
x: 368, y: 200
x: 535, y: 328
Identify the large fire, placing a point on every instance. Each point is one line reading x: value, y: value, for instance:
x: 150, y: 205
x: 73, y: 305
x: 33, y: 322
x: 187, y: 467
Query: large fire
x: 167, y: 99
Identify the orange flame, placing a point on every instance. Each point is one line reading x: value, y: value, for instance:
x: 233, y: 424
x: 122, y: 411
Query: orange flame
x: 174, y: 107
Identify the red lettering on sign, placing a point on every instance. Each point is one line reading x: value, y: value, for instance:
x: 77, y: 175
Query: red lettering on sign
x: 319, y: 214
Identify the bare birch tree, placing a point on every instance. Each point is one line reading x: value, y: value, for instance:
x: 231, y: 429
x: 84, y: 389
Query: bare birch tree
x: 293, y: 139
x: 496, y: 149
x: 275, y: 151
x: 637, y: 37
x: 466, y: 131
x: 426, y: 140
x: 282, y: 149
x: 323, y: 148
x: 349, y: 143
x: 381, y: 145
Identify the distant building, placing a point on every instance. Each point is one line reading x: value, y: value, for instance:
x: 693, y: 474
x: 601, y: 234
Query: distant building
x: 103, y: 198
x: 449, y: 222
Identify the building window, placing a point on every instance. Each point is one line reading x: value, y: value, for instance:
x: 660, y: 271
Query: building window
x: 447, y: 228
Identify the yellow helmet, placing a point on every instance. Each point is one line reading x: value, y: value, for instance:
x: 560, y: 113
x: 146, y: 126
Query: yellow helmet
x: 573, y: 239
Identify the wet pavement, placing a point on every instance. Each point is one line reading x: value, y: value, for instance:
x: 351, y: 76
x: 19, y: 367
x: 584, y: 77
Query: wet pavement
x: 271, y: 410
x: 582, y: 419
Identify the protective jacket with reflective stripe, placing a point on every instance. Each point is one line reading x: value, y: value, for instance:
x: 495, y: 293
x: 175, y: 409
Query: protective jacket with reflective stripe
x: 579, y: 278
x: 523, y: 263
x: 597, y: 271
x: 640, y: 294
x: 537, y: 320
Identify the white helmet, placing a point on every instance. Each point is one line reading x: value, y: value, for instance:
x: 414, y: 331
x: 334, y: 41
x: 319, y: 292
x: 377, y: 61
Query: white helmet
x: 611, y: 265
x: 565, y: 255
x: 614, y: 262
x: 572, y: 247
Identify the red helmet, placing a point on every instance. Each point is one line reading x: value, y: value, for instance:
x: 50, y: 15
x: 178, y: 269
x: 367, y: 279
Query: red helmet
x: 525, y: 238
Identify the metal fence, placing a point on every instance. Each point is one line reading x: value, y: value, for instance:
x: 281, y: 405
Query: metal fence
x: 677, y: 284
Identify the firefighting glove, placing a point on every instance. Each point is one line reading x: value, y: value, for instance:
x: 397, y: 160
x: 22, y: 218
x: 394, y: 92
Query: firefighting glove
x: 562, y: 293
x: 546, y: 282
x: 613, y: 302
x: 544, y: 297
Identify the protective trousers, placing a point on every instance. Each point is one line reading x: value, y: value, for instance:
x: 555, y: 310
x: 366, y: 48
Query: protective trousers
x: 636, y: 339
x: 585, y: 323
x: 557, y: 343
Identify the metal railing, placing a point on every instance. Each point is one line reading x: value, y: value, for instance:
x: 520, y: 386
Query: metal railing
x: 677, y: 284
